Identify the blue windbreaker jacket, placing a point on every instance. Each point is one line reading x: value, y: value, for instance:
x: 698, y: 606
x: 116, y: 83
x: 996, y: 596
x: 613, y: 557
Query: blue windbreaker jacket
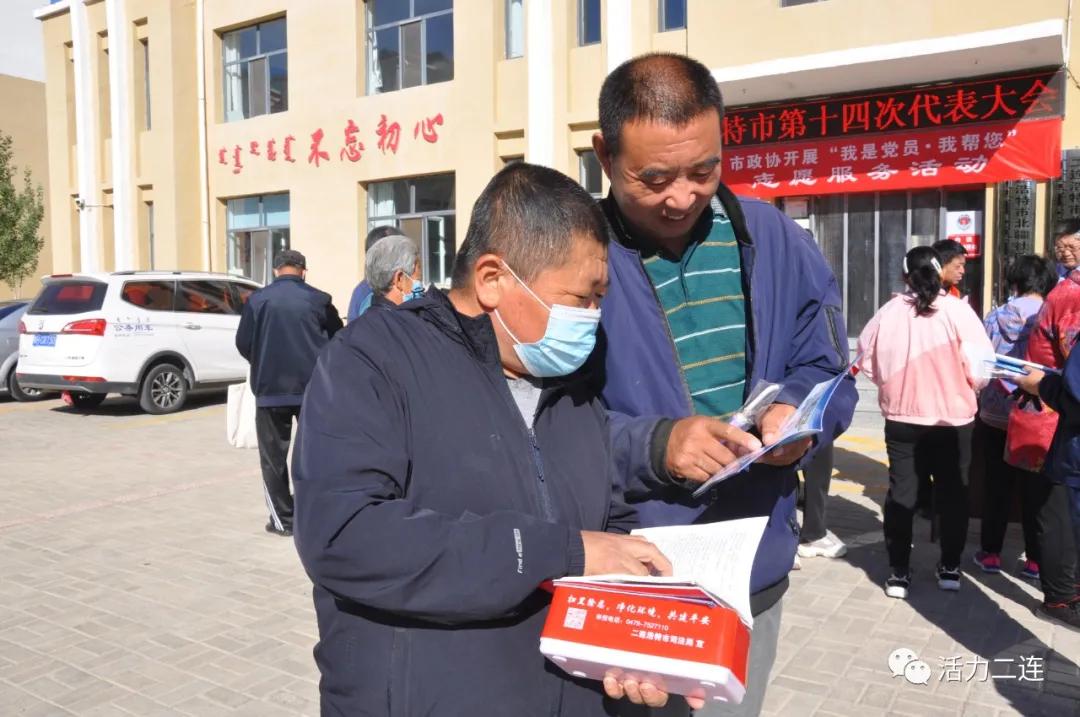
x: 795, y: 336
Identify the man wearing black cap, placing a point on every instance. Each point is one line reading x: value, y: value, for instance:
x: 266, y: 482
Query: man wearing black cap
x: 282, y: 330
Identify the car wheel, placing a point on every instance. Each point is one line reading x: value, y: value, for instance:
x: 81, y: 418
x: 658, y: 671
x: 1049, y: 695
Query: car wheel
x: 86, y: 400
x: 164, y: 389
x: 22, y: 394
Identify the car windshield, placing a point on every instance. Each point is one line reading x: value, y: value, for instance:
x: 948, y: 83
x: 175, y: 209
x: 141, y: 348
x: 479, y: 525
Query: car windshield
x: 69, y: 297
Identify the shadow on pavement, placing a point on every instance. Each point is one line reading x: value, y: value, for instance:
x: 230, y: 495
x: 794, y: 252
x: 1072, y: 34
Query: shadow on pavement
x: 125, y: 406
x: 970, y: 617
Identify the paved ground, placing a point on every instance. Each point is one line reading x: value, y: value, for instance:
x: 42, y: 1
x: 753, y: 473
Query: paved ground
x: 135, y: 578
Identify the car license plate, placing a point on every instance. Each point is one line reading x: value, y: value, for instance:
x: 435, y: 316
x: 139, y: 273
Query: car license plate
x: 44, y: 339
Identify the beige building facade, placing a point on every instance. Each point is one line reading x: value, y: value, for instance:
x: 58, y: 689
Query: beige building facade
x: 206, y: 134
x: 22, y: 114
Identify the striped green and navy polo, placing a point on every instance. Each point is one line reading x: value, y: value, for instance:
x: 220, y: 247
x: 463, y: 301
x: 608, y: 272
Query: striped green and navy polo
x: 702, y: 297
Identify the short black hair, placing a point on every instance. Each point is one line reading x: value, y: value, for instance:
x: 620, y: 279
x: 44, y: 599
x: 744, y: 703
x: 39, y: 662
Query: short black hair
x: 1031, y: 274
x: 949, y: 249
x: 658, y: 87
x: 529, y: 215
x: 1066, y: 227
x: 380, y: 232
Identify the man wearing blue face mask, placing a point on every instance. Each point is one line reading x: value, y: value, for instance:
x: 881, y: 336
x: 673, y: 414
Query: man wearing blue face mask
x: 453, y: 456
x: 392, y: 269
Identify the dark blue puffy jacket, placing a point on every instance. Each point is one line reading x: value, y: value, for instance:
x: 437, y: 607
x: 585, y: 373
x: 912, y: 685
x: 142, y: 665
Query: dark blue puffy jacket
x: 795, y: 336
x: 428, y: 514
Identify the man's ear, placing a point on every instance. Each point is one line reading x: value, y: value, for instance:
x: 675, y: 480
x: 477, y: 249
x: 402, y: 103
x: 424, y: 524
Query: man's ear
x: 488, y: 281
x: 602, y: 154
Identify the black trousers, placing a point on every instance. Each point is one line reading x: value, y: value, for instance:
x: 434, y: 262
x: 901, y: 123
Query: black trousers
x: 816, y: 475
x: 999, y: 480
x: 273, y: 427
x: 1057, y: 546
x: 946, y: 451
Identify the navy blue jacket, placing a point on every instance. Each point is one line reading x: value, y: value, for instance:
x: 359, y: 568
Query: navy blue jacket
x: 428, y: 514
x: 1062, y: 393
x: 282, y: 329
x: 795, y: 336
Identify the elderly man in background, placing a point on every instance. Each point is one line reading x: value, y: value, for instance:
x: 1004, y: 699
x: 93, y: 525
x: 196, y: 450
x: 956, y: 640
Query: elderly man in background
x: 362, y: 294
x: 392, y: 269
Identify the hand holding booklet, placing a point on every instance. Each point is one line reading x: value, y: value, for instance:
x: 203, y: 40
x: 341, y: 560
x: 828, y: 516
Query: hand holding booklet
x: 807, y: 421
x: 688, y: 633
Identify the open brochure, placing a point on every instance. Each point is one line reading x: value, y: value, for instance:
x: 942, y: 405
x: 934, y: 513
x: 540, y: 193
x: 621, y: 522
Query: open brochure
x: 710, y: 562
x: 805, y: 422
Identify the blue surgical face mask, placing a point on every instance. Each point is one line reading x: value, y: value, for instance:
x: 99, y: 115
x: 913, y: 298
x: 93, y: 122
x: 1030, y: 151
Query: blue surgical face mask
x: 417, y: 291
x: 568, y: 340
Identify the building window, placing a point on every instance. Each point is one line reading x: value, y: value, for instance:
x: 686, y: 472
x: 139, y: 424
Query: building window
x: 590, y: 173
x: 258, y: 228
x: 150, y: 235
x: 143, y: 66
x: 256, y: 70
x: 422, y: 208
x: 410, y: 43
x: 588, y: 22
x: 672, y: 15
x: 515, y: 28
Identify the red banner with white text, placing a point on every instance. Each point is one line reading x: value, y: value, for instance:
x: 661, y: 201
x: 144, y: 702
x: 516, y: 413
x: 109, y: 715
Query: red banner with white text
x: 970, y: 154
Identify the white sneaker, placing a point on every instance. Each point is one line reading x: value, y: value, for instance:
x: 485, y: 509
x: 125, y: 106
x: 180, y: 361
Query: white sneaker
x: 828, y: 546
x: 797, y: 565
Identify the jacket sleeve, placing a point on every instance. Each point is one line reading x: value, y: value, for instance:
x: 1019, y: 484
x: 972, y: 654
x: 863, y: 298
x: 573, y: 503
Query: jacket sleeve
x: 332, y: 322
x: 972, y: 334
x: 819, y: 340
x: 639, y: 446
x: 867, y: 347
x: 360, y: 536
x: 1062, y: 393
x: 245, y: 332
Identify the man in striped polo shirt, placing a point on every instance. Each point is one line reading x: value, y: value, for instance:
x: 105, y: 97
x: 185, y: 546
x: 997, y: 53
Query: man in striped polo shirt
x: 709, y: 294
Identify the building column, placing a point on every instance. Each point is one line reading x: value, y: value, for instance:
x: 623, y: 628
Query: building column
x: 121, y: 110
x: 539, y: 54
x: 87, y: 139
x: 618, y: 29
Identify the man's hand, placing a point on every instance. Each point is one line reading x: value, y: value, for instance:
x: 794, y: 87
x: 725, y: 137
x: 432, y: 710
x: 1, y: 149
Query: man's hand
x: 700, y: 446
x: 609, y: 553
x: 772, y: 422
x: 1030, y: 381
x: 643, y: 693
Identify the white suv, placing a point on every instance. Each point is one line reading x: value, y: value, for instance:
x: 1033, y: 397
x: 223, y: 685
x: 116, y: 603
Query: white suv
x: 154, y: 335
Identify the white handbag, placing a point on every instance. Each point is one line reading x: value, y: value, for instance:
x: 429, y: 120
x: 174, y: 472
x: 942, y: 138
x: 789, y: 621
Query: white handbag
x: 240, y: 417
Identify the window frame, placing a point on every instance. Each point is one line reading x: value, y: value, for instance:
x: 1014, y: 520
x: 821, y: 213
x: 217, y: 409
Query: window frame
x: 369, y: 45
x: 506, y: 30
x: 581, y: 23
x: 259, y: 55
x: 662, y: 16
x: 376, y: 220
x: 581, y: 154
x: 262, y: 226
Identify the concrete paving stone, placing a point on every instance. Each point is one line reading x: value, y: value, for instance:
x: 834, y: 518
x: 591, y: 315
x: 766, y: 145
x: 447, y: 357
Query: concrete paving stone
x: 798, y: 685
x: 836, y: 708
x: 878, y: 697
x: 904, y: 705
x: 227, y: 697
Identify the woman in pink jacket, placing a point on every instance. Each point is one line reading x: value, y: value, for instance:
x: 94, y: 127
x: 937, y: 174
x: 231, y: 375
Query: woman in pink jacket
x: 916, y: 350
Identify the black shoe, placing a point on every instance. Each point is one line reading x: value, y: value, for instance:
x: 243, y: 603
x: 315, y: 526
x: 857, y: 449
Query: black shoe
x: 283, y: 532
x: 948, y: 578
x: 897, y: 585
x: 1066, y: 614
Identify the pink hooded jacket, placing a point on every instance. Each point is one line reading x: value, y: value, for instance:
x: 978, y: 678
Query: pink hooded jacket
x: 919, y: 364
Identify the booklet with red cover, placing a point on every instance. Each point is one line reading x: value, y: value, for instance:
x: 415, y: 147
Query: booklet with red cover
x: 688, y: 633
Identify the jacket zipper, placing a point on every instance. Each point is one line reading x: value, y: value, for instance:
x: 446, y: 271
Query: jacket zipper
x: 542, y: 494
